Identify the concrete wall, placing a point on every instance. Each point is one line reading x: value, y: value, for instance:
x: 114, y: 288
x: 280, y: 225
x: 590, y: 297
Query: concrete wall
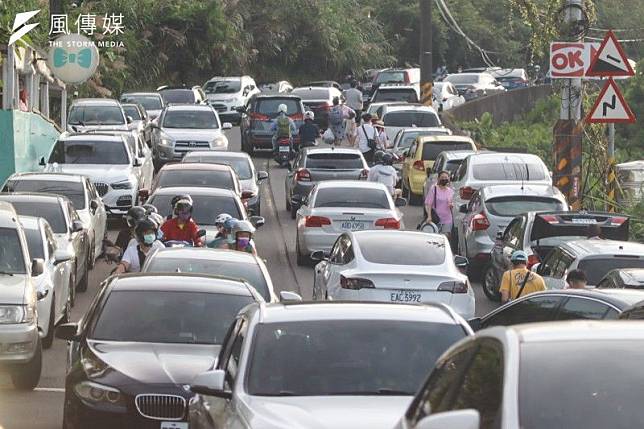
x: 503, y: 107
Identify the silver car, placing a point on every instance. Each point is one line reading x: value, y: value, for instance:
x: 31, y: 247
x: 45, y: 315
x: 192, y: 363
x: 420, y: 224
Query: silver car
x: 96, y: 113
x: 338, y: 206
x: 152, y: 102
x: 493, y: 207
x: 474, y: 85
x: 317, y: 164
x: 322, y: 365
x: 445, y: 161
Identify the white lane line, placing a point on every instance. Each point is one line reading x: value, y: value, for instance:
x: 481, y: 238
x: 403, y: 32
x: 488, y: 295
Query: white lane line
x: 50, y: 389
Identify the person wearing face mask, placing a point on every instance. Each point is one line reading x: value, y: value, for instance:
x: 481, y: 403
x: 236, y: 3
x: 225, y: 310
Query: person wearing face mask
x: 243, y: 233
x: 136, y: 253
x: 221, y: 239
x: 438, y: 204
x: 182, y: 227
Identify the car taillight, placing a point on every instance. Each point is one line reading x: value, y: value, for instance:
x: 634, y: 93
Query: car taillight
x: 617, y: 220
x: 355, y: 283
x: 407, y: 79
x: 259, y: 117
x: 247, y: 195
x: 419, y: 165
x: 297, y: 116
x: 303, y: 175
x: 316, y: 221
x: 453, y: 287
x: 549, y: 218
x: 480, y: 222
x: 532, y: 260
x: 388, y: 223
x: 466, y: 192
x: 325, y: 107
x: 364, y: 174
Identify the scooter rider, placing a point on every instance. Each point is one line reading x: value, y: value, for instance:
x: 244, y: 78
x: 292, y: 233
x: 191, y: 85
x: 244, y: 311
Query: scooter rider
x: 182, y: 227
x: 282, y: 127
x: 383, y: 172
x: 174, y: 200
x: 136, y: 253
x: 221, y: 239
x: 243, y: 232
x: 309, y: 131
x: 134, y: 215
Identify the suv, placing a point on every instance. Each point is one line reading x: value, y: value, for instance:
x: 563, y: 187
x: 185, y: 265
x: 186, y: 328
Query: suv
x: 318, y: 100
x: 595, y: 257
x: 399, y: 76
x: 21, y: 350
x: 226, y: 94
x: 183, y: 128
x: 182, y: 94
x: 389, y: 93
x: 152, y: 102
x: 474, y: 85
x: 96, y: 113
x: 258, y: 116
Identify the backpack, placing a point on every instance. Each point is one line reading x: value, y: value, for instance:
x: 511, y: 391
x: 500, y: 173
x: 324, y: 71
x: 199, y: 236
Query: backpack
x: 335, y: 116
x: 283, y: 126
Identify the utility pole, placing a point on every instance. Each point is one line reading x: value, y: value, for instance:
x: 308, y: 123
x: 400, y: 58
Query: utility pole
x: 426, y: 79
x: 612, y: 176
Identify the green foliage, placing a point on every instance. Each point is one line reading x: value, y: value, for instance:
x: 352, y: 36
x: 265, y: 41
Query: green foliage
x: 630, y: 137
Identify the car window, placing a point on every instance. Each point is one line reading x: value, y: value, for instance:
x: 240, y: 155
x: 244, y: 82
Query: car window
x: 414, y: 250
x: 336, y: 253
x: 241, y: 166
x: 582, y: 308
x: 89, y: 152
x: 561, y: 265
x: 202, y: 178
x: 11, y: 258
x: 149, y: 102
x: 223, y: 86
x: 205, y: 207
x: 596, y: 268
x: 462, y: 170
x: 390, y: 77
x: 232, y: 366
x: 438, y: 164
x: 334, y: 161
x: 432, y: 149
x: 346, y: 250
x: 51, y: 241
x: 475, y: 203
x: 549, y: 264
x: 72, y: 190
x: 352, y: 197
x: 133, y: 112
x: 503, y: 170
x: 178, y: 96
x: 52, y: 212
x: 405, y: 95
x: 311, y: 94
x: 193, y: 119
x: 536, y: 309
x: 268, y: 106
x: 514, y: 233
x: 35, y: 243
x: 515, y: 205
x: 96, y: 115
x: 412, y: 118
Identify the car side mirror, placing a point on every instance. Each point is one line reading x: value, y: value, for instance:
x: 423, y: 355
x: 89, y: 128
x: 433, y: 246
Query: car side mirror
x: 61, y: 256
x: 462, y: 208
x: 286, y: 296
x: 461, y: 262
x: 37, y: 267
x: 143, y: 194
x: 499, y: 235
x: 77, y: 226
x: 297, y: 201
x: 535, y: 268
x: 227, y: 126
x: 136, y: 162
x: 93, y: 205
x: 67, y: 331
x: 475, y: 323
x: 461, y: 419
x: 201, y: 233
x: 241, y: 109
x: 129, y: 119
x: 257, y: 221
x: 211, y: 383
x: 400, y: 202
x: 319, y: 255
x: 42, y: 162
x: 262, y: 175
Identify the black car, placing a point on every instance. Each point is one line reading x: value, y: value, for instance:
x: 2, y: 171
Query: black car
x: 142, y: 341
x: 557, y: 305
x: 257, y: 119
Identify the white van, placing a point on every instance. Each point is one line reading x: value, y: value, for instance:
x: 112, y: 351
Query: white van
x: 226, y: 94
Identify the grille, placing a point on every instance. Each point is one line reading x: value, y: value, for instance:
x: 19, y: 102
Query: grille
x: 101, y: 188
x: 219, y: 107
x: 184, y: 146
x: 161, y: 407
x: 125, y: 200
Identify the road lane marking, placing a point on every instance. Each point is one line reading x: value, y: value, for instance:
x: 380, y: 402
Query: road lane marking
x: 50, y: 389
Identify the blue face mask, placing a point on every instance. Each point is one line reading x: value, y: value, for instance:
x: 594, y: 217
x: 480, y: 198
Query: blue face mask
x: 149, y: 238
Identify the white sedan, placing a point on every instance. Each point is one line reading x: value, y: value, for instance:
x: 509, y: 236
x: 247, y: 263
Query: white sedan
x: 337, y: 206
x: 393, y: 266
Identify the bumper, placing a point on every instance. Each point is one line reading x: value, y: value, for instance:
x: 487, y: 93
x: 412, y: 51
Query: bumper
x: 479, y: 243
x: 312, y: 239
x: 260, y: 140
x: 18, y: 343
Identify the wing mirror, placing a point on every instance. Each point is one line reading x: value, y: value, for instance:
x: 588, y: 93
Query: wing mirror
x: 77, y: 226
x: 227, y: 126
x: 319, y: 255
x: 42, y: 162
x: 499, y: 235
x: 262, y: 175
x: 461, y: 419
x: 93, y: 205
x: 257, y: 221
x: 129, y: 119
x: 37, y: 267
x: 201, y: 233
x: 475, y: 323
x: 211, y: 383
x: 67, y: 331
x: 286, y: 296
x: 461, y: 262
x: 462, y: 208
x: 61, y: 256
x: 136, y: 162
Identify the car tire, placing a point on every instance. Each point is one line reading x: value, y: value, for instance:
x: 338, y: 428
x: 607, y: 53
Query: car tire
x: 48, y: 340
x: 302, y: 260
x: 72, y: 289
x: 288, y: 203
x: 27, y: 376
x: 293, y: 212
x: 490, y: 283
x: 82, y: 284
x: 91, y: 262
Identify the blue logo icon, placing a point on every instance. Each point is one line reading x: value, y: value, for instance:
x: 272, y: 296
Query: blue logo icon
x: 83, y: 58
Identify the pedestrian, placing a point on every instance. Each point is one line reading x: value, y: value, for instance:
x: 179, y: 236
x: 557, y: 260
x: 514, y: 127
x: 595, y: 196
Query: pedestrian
x: 353, y: 97
x: 337, y: 115
x: 367, y: 138
x: 594, y: 232
x: 576, y: 279
x: 383, y: 139
x: 439, y: 204
x: 519, y: 281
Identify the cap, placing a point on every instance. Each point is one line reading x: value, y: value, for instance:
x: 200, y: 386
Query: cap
x: 519, y: 256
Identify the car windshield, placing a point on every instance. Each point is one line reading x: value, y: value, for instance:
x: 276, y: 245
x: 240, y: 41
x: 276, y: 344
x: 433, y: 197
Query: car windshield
x: 388, y: 94
x: 408, y: 137
x: 334, y: 161
x: 352, y: 197
x: 250, y: 272
x: 411, y: 118
x: 410, y: 250
x: 51, y: 211
x: 463, y: 79
x: 199, y: 178
x: 96, y: 115
x: 515, y: 205
x: 268, y: 106
x: 345, y: 357
x: 35, y: 243
x: 178, y: 96
x: 196, y: 119
x: 504, y: 170
x: 205, y: 208
x: 11, y: 258
x: 149, y: 102
x: 391, y: 77
x: 72, y: 190
x: 240, y: 165
x: 89, y: 152
x: 225, y: 86
x: 167, y: 317
x: 311, y: 94
x: 597, y: 268
x: 605, y: 394
x: 432, y: 149
x: 132, y: 112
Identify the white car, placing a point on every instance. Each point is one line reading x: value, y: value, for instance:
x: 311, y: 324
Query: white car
x: 80, y: 191
x: 394, y: 266
x: 445, y: 96
x: 54, y: 285
x: 398, y: 117
x: 226, y: 94
x: 108, y: 162
x: 95, y: 114
x: 337, y: 206
x: 322, y: 365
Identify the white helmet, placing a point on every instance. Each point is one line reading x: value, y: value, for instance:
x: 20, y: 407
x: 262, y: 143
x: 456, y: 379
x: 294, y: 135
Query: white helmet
x: 282, y: 108
x: 223, y: 217
x: 309, y: 115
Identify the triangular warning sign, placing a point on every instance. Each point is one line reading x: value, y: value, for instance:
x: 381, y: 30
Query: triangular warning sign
x: 610, y: 106
x: 610, y: 59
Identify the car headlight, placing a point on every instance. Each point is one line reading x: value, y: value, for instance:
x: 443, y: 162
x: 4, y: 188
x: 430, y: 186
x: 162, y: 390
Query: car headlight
x: 99, y: 393
x: 124, y: 184
x: 17, y: 313
x: 220, y: 141
x: 92, y: 365
x: 166, y: 141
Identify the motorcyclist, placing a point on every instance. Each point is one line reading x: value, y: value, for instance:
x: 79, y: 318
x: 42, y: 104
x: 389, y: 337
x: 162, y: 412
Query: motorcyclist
x: 158, y: 220
x: 383, y: 172
x: 309, y: 131
x: 182, y: 227
x: 125, y: 235
x: 174, y: 200
x: 149, y: 209
x: 229, y: 225
x: 243, y: 232
x: 136, y: 253
x: 282, y: 127
x: 220, y: 240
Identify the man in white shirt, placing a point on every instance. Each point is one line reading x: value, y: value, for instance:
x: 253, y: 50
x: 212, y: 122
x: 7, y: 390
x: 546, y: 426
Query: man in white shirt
x: 367, y: 133
x: 353, y: 99
x: 136, y: 252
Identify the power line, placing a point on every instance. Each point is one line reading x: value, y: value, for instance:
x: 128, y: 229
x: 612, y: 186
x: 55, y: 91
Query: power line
x: 620, y: 41
x: 616, y: 30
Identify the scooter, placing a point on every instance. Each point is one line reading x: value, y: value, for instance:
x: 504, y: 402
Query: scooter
x: 283, y: 156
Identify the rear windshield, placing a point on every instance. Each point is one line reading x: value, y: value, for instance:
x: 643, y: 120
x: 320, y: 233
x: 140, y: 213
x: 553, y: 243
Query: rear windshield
x: 11, y: 258
x: 96, y: 115
x: 89, y: 152
x: 72, y: 190
x: 391, y: 77
x: 34, y: 243
x: 408, y: 95
x: 411, y: 119
x: 515, y: 205
x: 51, y: 211
x: 311, y: 94
x: 149, y: 102
x: 509, y: 171
x: 597, y: 268
x: 352, y: 197
x: 222, y: 86
x: 463, y: 79
x: 132, y: 112
x: 178, y: 96
x: 240, y: 165
x: 199, y: 178
x: 408, y: 251
x: 269, y: 106
x: 205, y: 208
x: 432, y: 150
x: 408, y: 137
x: 334, y: 161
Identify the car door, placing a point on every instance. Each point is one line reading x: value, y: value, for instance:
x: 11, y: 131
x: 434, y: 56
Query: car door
x: 587, y: 309
x: 99, y: 216
x: 341, y: 261
x: 79, y: 239
x: 60, y: 272
x: 542, y: 308
x: 503, y: 248
x: 328, y: 272
x: 145, y: 158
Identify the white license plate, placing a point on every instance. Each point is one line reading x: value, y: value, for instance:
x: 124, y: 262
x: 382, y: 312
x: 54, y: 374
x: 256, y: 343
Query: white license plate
x: 405, y: 296
x: 583, y: 221
x: 174, y: 425
x: 352, y: 225
x: 284, y: 148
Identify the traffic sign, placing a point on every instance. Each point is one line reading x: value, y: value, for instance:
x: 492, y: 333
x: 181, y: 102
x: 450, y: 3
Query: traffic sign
x: 610, y: 106
x: 571, y: 59
x: 610, y: 61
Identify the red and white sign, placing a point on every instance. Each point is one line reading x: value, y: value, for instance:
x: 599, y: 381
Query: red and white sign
x: 571, y: 59
x: 610, y: 59
x: 610, y: 106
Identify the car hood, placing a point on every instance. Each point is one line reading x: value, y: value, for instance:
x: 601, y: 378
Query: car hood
x: 326, y: 412
x: 192, y: 134
x: 155, y: 363
x: 96, y: 172
x: 13, y: 288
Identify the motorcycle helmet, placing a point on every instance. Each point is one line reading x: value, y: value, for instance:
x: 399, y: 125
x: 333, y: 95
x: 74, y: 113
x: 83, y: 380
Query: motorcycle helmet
x: 149, y: 209
x: 180, y: 197
x: 142, y: 227
x: 378, y: 156
x: 309, y: 115
x: 134, y: 215
x: 243, y: 226
x: 230, y: 224
x: 221, y: 219
x: 282, y: 108
x: 183, y: 205
x: 387, y: 158
x: 156, y: 218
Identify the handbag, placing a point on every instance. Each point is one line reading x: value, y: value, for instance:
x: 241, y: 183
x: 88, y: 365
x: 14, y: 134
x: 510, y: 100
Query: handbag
x: 370, y: 142
x: 435, y: 218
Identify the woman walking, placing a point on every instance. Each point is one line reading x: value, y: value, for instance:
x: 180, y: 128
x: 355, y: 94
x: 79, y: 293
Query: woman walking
x: 438, y: 204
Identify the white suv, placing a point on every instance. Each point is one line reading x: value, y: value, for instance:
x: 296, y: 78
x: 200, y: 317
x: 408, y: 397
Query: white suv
x: 96, y: 113
x: 226, y: 94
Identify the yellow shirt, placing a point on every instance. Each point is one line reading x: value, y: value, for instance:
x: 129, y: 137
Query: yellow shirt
x: 513, y: 279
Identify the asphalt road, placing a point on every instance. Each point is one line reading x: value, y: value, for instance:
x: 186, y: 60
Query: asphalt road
x: 43, y: 408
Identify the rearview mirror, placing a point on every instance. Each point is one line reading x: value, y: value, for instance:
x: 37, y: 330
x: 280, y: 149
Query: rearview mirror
x: 319, y: 255
x: 37, y: 267
x: 93, y: 205
x: 61, y: 256
x: 286, y: 296
x: 77, y: 226
x: 227, y: 126
x: 461, y: 262
x: 262, y: 175
x: 257, y: 221
x: 461, y: 419
x: 400, y: 202
x: 211, y: 383
x: 67, y: 331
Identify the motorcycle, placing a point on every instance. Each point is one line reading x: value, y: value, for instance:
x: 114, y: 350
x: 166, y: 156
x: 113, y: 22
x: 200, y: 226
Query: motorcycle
x: 284, y: 152
x: 182, y: 243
